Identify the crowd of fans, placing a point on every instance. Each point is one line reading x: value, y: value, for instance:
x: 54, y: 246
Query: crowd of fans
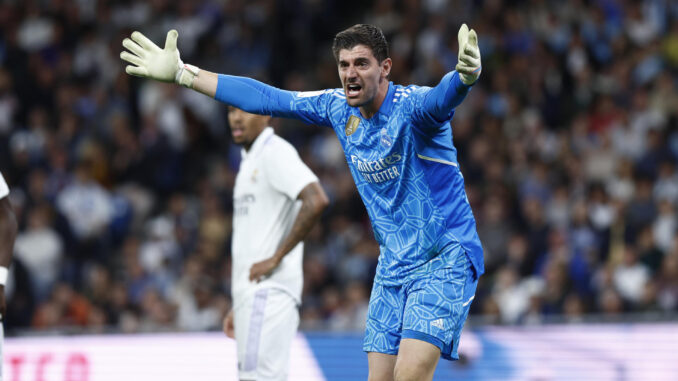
x: 123, y: 187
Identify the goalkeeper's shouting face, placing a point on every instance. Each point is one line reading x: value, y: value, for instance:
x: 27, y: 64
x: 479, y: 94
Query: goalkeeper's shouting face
x: 245, y: 127
x: 362, y: 59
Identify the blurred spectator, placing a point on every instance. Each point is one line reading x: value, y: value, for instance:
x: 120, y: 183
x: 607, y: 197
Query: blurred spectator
x: 630, y: 277
x: 86, y: 205
x: 40, y: 249
x: 199, y: 312
x: 352, y: 314
x: 513, y: 296
x: 65, y: 307
x: 8, y: 103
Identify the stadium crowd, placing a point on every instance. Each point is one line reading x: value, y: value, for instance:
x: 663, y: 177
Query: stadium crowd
x: 123, y: 187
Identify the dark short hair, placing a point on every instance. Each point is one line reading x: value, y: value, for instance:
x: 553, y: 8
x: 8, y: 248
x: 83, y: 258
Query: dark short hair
x: 361, y: 34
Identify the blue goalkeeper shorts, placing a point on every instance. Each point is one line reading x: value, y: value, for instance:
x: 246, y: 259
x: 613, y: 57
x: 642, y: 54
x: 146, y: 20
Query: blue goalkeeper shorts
x: 432, y: 308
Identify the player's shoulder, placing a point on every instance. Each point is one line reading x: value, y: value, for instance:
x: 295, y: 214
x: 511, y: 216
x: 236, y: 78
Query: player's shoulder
x: 335, y: 103
x: 410, y: 97
x: 405, y: 91
x: 332, y: 100
x: 404, y: 96
x: 280, y: 158
x: 276, y: 141
x: 276, y: 146
x: 414, y: 89
x: 326, y: 93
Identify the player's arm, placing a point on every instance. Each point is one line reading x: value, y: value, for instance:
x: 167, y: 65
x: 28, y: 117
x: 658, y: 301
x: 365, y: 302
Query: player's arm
x: 313, y: 202
x: 439, y: 102
x: 8, y: 232
x: 150, y: 61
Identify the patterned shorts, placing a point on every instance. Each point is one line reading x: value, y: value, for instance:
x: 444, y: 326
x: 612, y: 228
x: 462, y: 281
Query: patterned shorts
x: 432, y: 308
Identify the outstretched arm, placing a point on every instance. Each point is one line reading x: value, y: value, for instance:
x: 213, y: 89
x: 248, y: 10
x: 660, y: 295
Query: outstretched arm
x: 246, y: 94
x: 440, y: 101
x: 148, y: 60
x: 206, y: 82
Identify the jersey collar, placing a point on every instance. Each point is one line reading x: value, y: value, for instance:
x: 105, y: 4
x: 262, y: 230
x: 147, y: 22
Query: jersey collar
x: 259, y: 142
x: 387, y: 104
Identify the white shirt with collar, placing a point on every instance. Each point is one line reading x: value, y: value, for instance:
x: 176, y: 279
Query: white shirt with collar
x: 265, y: 205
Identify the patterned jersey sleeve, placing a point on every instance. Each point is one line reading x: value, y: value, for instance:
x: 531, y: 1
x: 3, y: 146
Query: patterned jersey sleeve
x: 259, y: 98
x: 433, y: 106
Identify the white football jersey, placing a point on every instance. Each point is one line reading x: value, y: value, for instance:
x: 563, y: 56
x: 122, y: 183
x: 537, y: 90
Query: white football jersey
x: 4, y: 189
x: 265, y: 205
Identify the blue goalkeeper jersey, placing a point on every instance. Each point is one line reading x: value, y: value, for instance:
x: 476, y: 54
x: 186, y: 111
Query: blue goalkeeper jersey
x: 402, y: 160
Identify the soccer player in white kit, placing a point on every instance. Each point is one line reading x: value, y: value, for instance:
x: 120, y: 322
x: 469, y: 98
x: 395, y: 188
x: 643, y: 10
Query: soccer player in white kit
x: 276, y: 201
x: 8, y: 231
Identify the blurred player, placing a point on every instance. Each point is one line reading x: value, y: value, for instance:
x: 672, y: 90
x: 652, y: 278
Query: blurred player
x: 8, y: 231
x: 269, y: 225
x: 398, y: 144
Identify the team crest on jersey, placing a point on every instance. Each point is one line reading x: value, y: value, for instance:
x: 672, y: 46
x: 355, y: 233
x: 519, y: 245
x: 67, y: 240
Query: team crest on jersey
x: 254, y: 175
x: 352, y: 125
x: 384, y: 139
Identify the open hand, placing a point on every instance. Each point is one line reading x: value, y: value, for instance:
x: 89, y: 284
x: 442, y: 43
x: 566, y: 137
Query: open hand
x: 469, y: 65
x: 148, y: 60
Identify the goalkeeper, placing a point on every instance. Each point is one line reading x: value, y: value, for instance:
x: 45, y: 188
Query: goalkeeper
x: 398, y: 144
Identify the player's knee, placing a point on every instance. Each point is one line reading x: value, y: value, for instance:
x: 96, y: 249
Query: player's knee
x: 405, y: 373
x: 409, y: 372
x: 413, y: 370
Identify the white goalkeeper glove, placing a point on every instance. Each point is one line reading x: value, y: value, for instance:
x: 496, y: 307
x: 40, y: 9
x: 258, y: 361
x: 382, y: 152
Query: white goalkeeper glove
x: 468, y: 66
x: 149, y: 61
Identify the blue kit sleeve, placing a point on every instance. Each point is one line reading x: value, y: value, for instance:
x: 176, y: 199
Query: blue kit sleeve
x: 437, y: 104
x: 259, y: 98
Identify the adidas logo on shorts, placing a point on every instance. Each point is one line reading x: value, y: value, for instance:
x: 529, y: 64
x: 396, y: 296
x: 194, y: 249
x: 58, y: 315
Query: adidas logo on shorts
x: 439, y: 323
